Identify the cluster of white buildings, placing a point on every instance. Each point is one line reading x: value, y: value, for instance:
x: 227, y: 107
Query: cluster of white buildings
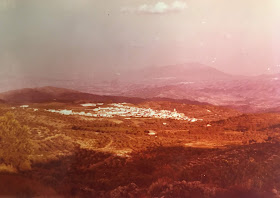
x: 125, y: 110
x: 25, y: 107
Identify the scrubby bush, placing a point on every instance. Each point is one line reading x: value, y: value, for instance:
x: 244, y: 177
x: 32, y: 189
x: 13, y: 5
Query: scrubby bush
x: 165, y: 188
x: 128, y: 191
x: 15, y: 144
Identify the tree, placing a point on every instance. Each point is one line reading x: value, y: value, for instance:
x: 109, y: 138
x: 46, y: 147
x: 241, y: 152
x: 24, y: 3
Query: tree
x: 15, y: 143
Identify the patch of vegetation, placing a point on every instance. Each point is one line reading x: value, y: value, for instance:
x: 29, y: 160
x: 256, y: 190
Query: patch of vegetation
x: 166, y: 171
x: 15, y: 144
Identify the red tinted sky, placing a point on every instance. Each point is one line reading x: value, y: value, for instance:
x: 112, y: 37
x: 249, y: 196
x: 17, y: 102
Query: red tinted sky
x: 70, y: 36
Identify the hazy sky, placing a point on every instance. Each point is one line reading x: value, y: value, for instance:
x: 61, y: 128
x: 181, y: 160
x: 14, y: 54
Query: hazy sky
x: 84, y: 36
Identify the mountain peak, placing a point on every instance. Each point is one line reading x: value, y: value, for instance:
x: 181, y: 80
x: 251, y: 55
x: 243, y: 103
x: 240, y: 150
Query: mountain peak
x: 176, y: 73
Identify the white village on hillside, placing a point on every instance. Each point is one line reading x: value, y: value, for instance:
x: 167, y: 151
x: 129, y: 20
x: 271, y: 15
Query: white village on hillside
x: 120, y: 110
x: 125, y: 110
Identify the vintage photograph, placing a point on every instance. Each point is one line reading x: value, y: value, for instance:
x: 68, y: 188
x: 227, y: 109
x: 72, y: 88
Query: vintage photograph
x: 140, y: 98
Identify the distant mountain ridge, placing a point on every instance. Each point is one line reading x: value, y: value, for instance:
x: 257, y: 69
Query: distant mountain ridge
x: 190, y: 72
x: 248, y: 94
x: 192, y: 83
x: 198, y: 82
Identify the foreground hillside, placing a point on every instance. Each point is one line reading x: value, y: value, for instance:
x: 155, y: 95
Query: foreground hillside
x: 79, y: 150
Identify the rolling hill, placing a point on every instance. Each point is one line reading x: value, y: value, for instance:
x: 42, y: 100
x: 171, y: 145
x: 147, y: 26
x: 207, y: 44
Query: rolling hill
x: 50, y: 94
